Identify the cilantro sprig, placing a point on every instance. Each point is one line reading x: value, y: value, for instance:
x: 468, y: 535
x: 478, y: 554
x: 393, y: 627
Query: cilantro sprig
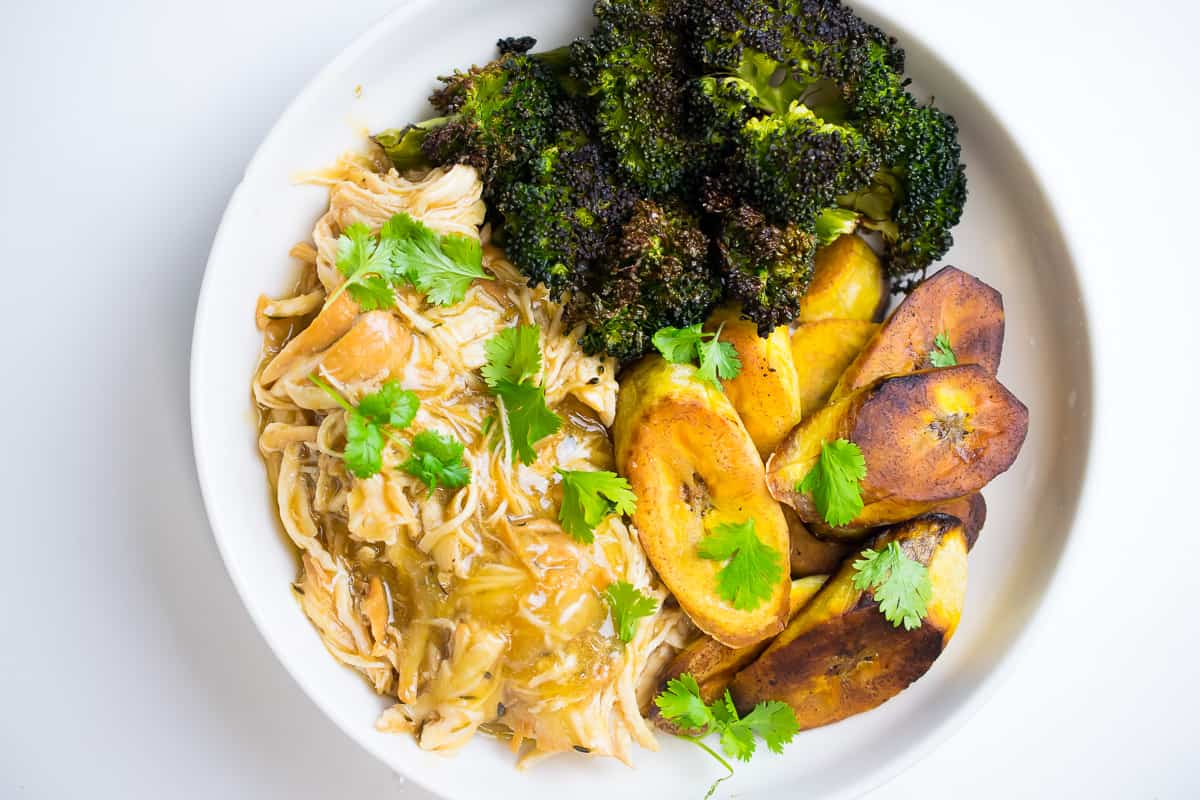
x: 441, y: 267
x: 771, y: 720
x: 437, y: 459
x: 717, y: 360
x: 514, y: 358
x: 835, y: 482
x: 368, y: 423
x: 588, y: 497
x: 368, y: 266
x: 942, y: 354
x: 899, y: 584
x: 752, y: 569
x: 406, y: 252
x: 628, y: 605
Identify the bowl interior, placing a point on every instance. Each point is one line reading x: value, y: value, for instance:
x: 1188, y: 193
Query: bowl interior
x: 1009, y: 238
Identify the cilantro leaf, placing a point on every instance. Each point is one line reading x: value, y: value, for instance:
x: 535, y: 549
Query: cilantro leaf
x: 442, y: 267
x: 370, y: 292
x: 680, y: 703
x: 364, y: 446
x: 718, y: 360
x: 628, y: 605
x: 900, y: 584
x: 529, y: 418
x: 367, y: 267
x: 738, y: 741
x: 753, y: 569
x: 834, y: 482
x: 436, y: 459
x: 942, y: 355
x: 391, y: 405
x: 588, y: 497
x: 514, y: 358
x: 723, y: 710
x: 513, y: 354
x: 774, y: 721
x: 678, y: 345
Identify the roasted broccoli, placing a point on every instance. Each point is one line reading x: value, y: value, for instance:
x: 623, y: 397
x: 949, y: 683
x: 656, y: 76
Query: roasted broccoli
x: 812, y: 105
x: 496, y: 118
x: 561, y: 219
x: 631, y: 66
x: 767, y: 267
x: 918, y: 197
x: 792, y: 165
x: 660, y: 274
x: 688, y: 152
x: 816, y: 52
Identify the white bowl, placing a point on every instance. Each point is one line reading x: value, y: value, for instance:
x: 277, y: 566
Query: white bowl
x: 1009, y: 237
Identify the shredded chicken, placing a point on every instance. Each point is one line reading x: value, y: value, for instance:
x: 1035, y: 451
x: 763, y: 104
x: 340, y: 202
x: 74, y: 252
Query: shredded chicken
x: 470, y: 608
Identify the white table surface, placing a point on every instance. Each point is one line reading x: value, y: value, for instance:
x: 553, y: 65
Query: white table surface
x: 127, y: 665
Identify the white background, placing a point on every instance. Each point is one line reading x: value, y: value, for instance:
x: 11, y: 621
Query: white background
x: 127, y: 665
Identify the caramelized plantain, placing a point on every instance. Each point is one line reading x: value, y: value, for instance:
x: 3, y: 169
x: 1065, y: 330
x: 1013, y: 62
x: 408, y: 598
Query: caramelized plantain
x: 963, y: 308
x: 713, y: 664
x: 766, y: 393
x: 810, y: 554
x: 693, y: 466
x: 840, y: 656
x: 972, y: 510
x: 848, y: 283
x: 822, y: 351
x: 927, y: 437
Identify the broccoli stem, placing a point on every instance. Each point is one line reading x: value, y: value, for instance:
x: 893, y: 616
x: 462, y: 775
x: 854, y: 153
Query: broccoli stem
x: 403, y: 145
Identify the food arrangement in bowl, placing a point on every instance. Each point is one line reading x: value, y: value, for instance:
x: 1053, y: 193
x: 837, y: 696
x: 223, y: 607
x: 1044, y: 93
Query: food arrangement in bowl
x: 585, y: 415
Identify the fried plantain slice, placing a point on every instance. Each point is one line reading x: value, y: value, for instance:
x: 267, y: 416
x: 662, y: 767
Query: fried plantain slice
x: 968, y: 312
x: 840, y: 656
x: 972, y: 510
x: 810, y: 554
x: 694, y: 467
x: 848, y: 283
x: 766, y: 392
x: 822, y: 351
x: 927, y: 437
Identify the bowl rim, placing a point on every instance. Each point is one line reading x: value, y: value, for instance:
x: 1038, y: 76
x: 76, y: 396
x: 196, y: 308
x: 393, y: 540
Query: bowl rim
x: 932, y: 737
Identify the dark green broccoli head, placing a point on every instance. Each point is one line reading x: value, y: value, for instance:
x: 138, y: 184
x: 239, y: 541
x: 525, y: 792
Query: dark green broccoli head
x: 496, y: 118
x: 631, y: 66
x: 918, y: 197
x: 766, y: 267
x: 813, y: 108
x: 717, y: 33
x: 562, y: 218
x: 793, y: 165
x: 660, y: 274
x: 788, y: 52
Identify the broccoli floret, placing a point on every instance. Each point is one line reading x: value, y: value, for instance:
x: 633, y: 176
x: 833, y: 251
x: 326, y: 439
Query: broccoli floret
x: 774, y: 98
x: 767, y: 267
x: 661, y: 274
x: 561, y: 219
x: 918, y: 197
x: 865, y: 144
x: 813, y: 51
x: 515, y: 44
x: 792, y: 165
x: 631, y: 65
x: 496, y: 118
x: 718, y: 32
